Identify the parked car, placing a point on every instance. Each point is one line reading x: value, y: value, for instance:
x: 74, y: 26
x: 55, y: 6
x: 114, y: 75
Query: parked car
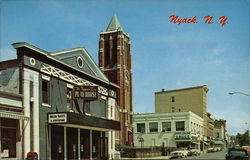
x: 211, y: 149
x: 218, y: 148
x: 184, y: 151
x: 176, y: 154
x: 193, y: 152
x: 237, y: 154
x: 247, y: 148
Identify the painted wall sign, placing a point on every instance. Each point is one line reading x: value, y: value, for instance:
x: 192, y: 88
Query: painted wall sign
x: 57, y: 118
x: 86, y: 92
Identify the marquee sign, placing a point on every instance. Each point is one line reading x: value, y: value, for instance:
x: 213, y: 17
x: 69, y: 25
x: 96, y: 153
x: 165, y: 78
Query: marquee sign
x: 57, y: 118
x: 86, y: 92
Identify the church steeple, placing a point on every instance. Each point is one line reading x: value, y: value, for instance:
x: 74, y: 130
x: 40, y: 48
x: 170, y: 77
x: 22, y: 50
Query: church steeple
x: 114, y: 24
x: 115, y: 60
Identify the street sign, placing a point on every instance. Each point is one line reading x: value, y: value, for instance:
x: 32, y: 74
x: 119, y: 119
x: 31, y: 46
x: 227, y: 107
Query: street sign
x: 86, y: 92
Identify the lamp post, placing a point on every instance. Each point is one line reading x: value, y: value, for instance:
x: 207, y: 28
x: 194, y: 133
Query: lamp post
x: 231, y: 93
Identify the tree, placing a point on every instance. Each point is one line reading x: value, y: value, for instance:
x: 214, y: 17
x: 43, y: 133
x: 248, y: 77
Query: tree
x: 243, y: 139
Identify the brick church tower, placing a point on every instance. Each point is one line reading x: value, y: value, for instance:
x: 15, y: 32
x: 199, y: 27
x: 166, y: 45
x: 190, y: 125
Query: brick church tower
x: 115, y: 62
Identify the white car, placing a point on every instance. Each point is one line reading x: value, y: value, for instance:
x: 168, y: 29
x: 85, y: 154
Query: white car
x: 177, y: 154
x: 183, y: 151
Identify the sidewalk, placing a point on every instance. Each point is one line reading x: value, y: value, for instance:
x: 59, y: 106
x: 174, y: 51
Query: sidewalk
x: 155, y: 158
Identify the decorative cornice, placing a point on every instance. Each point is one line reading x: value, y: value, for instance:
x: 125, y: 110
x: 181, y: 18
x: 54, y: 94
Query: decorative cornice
x: 70, y: 78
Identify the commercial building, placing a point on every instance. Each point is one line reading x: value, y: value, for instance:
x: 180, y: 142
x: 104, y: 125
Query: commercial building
x: 115, y: 60
x: 12, y: 118
x: 172, y: 129
x: 220, y: 133
x: 63, y: 106
x: 192, y: 99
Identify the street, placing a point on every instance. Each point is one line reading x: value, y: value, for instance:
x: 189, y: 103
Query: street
x: 212, y: 156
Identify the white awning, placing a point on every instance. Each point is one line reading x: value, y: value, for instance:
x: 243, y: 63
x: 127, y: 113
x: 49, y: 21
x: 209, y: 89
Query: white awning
x: 14, y: 116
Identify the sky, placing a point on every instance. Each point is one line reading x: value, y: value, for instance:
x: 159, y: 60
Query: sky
x: 165, y: 55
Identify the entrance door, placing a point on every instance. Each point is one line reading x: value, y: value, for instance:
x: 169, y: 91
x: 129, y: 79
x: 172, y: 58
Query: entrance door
x: 96, y: 145
x: 72, y: 143
x: 85, y: 144
x: 104, y: 148
x: 57, y: 143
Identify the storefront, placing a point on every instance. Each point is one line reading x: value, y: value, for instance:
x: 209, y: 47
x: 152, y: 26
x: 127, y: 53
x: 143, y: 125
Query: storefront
x: 12, y: 119
x: 75, y: 136
x: 11, y: 135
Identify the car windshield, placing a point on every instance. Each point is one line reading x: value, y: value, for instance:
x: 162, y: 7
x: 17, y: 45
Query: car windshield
x: 237, y: 153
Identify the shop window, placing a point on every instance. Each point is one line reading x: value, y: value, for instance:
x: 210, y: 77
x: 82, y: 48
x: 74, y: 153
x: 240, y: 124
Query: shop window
x: 87, y: 107
x: 153, y: 127
x: 45, y: 91
x: 9, y: 137
x: 180, y: 126
x: 141, y: 127
x: 69, y: 97
x: 103, y: 105
x: 166, y: 126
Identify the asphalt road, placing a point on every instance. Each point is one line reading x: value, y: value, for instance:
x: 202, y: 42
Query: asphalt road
x: 210, y: 156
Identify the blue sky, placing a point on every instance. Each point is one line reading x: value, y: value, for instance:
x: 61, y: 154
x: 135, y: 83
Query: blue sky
x: 165, y: 55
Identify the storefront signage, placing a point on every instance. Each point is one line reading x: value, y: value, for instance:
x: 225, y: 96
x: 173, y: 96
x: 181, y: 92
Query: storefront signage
x: 86, y: 92
x: 57, y: 118
x: 182, y: 135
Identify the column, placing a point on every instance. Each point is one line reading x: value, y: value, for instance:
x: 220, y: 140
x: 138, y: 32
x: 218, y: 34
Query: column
x: 26, y: 105
x: 35, y: 117
x: 79, y: 144
x: 65, y: 142
x: 49, y: 142
x: 90, y: 144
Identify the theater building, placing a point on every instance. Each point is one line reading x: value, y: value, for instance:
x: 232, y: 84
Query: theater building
x: 68, y: 102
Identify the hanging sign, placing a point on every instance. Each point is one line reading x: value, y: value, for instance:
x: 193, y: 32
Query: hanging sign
x: 86, y: 92
x: 57, y: 118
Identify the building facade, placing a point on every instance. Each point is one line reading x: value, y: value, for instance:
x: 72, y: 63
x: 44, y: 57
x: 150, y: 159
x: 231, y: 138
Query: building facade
x: 192, y: 99
x: 220, y: 133
x: 69, y: 102
x: 172, y: 130
x: 115, y: 61
x: 12, y: 119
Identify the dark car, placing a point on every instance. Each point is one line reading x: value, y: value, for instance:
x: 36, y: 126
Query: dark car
x: 237, y: 154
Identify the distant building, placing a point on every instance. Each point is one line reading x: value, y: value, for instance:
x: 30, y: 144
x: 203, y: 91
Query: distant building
x: 176, y: 129
x: 192, y: 99
x: 58, y: 104
x: 220, y: 129
x: 115, y: 61
x: 220, y: 132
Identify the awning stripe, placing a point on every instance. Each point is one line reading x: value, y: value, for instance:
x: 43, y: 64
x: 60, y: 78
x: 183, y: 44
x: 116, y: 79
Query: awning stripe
x: 13, y: 116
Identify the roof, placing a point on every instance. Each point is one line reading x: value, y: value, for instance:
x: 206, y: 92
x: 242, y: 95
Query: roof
x: 63, y: 58
x: 114, y: 24
x: 175, y: 90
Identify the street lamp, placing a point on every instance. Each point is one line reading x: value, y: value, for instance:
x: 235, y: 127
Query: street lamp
x: 231, y: 93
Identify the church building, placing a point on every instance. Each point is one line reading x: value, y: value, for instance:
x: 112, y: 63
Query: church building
x: 115, y: 61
